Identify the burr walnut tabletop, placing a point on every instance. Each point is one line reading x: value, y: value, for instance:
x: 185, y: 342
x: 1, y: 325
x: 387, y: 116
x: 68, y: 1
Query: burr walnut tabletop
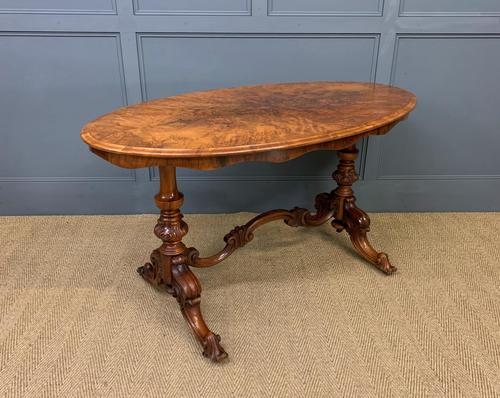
x: 273, y: 123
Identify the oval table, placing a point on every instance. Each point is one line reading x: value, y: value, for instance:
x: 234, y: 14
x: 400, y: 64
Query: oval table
x: 271, y: 123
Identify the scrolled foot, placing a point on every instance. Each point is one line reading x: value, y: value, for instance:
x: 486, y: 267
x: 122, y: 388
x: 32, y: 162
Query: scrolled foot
x: 151, y: 272
x: 146, y: 271
x: 187, y: 290
x: 212, y: 349
x: 357, y: 224
x: 384, y: 264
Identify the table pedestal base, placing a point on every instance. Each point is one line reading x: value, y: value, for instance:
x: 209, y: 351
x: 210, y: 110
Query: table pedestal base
x: 170, y: 263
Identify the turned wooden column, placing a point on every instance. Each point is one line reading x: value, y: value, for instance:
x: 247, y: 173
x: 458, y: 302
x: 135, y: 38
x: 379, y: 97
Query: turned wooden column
x: 345, y: 175
x: 170, y: 228
x: 169, y: 263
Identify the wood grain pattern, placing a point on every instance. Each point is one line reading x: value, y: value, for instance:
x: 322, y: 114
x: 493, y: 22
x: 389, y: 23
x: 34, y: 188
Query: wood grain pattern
x: 339, y: 206
x: 216, y: 128
x: 169, y: 268
x: 169, y: 265
x: 273, y: 122
x: 214, y: 162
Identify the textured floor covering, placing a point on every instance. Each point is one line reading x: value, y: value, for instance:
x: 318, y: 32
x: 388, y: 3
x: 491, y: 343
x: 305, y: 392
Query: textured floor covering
x: 299, y: 313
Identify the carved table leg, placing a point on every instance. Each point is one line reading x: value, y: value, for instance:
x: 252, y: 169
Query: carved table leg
x: 169, y: 263
x: 350, y: 217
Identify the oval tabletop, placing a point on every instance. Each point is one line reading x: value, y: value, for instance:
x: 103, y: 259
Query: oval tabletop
x: 248, y: 119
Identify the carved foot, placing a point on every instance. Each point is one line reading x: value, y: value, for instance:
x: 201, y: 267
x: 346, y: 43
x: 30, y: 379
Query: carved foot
x: 169, y: 263
x: 212, y: 349
x: 187, y: 289
x: 151, y: 272
x: 357, y: 224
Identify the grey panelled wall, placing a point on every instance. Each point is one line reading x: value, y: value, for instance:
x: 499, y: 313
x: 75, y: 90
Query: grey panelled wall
x: 66, y: 62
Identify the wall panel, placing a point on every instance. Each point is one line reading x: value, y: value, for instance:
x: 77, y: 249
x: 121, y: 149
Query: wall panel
x: 52, y: 83
x: 64, y: 62
x: 326, y: 7
x: 193, y: 7
x: 58, y: 6
x: 449, y: 8
x: 453, y: 133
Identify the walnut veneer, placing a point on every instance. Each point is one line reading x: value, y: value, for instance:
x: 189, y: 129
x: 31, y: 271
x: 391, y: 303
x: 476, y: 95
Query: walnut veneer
x: 273, y: 123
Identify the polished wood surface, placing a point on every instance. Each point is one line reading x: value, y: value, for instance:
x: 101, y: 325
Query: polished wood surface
x: 339, y: 206
x: 217, y: 128
x: 273, y: 122
x: 169, y: 264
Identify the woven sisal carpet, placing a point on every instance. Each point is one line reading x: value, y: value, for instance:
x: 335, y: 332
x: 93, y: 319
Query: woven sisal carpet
x: 299, y: 313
